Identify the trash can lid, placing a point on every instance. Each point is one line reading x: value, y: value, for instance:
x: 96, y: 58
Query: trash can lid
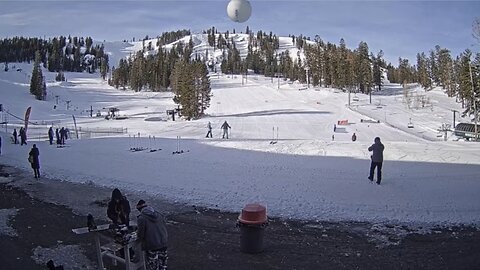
x: 253, y: 213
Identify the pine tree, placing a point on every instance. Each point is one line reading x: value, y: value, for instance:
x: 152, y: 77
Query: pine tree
x: 137, y: 72
x: 37, y: 84
x: 363, y: 68
x: 377, y: 69
x: 422, y: 71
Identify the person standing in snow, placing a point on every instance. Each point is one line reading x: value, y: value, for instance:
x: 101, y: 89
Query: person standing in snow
x: 119, y: 208
x: 377, y: 159
x: 57, y: 135
x: 225, y: 128
x: 23, y: 136
x: 15, y: 135
x: 62, y: 135
x: 354, y: 137
x: 152, y: 232
x: 50, y: 135
x: 209, y: 127
x: 34, y: 160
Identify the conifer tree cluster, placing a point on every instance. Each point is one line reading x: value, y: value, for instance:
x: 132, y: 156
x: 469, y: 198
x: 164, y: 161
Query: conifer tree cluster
x: 75, y: 54
x: 457, y: 76
x: 169, y: 37
x: 191, y: 86
x: 337, y: 66
x: 151, y: 72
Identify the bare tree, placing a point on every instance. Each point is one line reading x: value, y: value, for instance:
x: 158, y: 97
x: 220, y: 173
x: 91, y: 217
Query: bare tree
x: 476, y: 29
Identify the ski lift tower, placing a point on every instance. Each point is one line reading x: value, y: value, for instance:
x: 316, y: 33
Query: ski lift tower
x: 474, y: 103
x: 307, y: 68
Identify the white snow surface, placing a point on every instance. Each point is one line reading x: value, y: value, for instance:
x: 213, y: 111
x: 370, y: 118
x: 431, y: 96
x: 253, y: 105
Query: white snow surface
x: 305, y: 175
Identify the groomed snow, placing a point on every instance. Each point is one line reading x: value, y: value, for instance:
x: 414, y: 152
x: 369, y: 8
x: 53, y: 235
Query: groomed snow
x: 305, y: 175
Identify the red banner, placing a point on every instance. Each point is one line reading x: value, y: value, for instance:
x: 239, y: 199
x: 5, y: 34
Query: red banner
x: 27, y: 115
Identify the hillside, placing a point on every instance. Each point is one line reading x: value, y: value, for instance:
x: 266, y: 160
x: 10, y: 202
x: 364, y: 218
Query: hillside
x: 304, y: 175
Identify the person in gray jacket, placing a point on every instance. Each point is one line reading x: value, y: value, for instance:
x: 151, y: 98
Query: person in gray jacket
x: 377, y: 159
x: 152, y: 232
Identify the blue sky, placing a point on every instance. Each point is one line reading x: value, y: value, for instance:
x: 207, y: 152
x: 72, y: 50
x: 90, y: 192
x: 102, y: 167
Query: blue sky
x: 399, y: 28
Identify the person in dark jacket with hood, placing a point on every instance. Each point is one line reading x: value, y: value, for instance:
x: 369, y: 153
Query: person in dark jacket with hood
x: 34, y: 160
x: 119, y: 208
x: 377, y: 159
x: 152, y: 232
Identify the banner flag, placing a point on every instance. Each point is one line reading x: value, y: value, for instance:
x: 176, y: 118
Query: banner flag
x: 27, y: 116
x: 75, y: 124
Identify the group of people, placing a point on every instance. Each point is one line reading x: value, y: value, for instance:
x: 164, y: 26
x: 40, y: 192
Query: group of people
x: 60, y: 135
x: 151, y: 228
x: 225, y: 127
x: 22, y: 134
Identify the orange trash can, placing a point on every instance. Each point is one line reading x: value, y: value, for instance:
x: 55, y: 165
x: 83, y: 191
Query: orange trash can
x: 252, y: 222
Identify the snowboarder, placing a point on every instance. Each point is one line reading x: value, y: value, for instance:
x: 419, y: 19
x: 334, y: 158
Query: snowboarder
x: 34, y: 160
x: 209, y: 127
x: 119, y: 208
x: 377, y: 159
x: 152, y: 232
x: 50, y: 135
x: 15, y: 141
x: 354, y: 137
x: 225, y: 128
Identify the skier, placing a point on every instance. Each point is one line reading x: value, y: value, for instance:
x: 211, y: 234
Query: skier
x: 50, y: 135
x: 377, y: 159
x: 15, y: 141
x: 225, y: 128
x: 152, y: 232
x: 119, y: 208
x: 209, y: 127
x: 34, y: 160
x: 354, y: 137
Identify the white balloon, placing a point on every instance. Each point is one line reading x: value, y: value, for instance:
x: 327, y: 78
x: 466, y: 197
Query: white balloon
x: 239, y: 10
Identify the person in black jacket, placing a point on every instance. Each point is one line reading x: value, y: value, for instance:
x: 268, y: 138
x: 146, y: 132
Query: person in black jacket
x: 119, y: 208
x: 377, y: 159
x: 23, y: 136
x: 152, y: 232
x: 34, y: 161
x: 15, y: 135
x: 50, y: 135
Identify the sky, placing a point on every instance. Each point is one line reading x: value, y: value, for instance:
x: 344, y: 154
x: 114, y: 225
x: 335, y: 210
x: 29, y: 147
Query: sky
x: 399, y: 28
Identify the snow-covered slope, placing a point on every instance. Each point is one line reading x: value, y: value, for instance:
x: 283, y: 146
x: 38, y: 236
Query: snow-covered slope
x: 305, y: 174
x: 201, y: 48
